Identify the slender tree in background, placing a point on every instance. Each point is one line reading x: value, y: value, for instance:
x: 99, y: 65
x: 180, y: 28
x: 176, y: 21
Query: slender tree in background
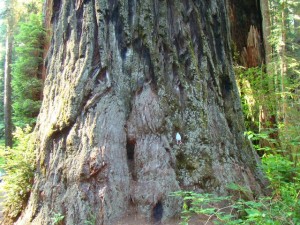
x: 266, y: 25
x: 297, y: 27
x: 267, y: 110
x: 283, y: 63
x: 2, y: 62
x: 7, y: 74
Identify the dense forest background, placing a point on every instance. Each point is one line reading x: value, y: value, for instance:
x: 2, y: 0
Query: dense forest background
x: 267, y: 72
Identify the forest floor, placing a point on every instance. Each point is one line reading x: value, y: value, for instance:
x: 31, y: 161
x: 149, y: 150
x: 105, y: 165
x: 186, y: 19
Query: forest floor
x: 1, y: 200
x: 134, y: 220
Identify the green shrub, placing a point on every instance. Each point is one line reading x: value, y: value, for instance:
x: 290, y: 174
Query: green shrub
x: 282, y: 207
x: 19, y: 169
x: 57, y: 218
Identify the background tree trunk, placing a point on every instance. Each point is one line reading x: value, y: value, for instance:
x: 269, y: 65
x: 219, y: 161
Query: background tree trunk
x: 123, y: 77
x: 267, y: 117
x: 266, y: 25
x: 283, y: 64
x: 7, y: 76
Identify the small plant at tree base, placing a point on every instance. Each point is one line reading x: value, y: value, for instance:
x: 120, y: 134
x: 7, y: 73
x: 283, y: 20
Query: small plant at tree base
x: 57, y: 218
x: 91, y: 220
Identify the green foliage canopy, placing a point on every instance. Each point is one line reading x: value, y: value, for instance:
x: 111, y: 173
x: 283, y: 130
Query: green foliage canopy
x: 26, y: 82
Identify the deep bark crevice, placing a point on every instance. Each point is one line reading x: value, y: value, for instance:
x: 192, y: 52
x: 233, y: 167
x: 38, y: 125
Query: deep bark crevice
x: 96, y: 54
x: 56, y: 10
x: 130, y: 147
x: 79, y: 21
x: 117, y: 20
x: 131, y: 11
x: 145, y: 64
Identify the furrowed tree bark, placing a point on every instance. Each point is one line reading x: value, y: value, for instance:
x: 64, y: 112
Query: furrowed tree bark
x: 123, y: 77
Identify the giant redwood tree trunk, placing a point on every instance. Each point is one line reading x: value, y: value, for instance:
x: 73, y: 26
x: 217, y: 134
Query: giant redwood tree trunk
x: 123, y: 77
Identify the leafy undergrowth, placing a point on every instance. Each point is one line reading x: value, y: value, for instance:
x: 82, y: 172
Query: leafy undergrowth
x: 282, y: 207
x: 19, y: 170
